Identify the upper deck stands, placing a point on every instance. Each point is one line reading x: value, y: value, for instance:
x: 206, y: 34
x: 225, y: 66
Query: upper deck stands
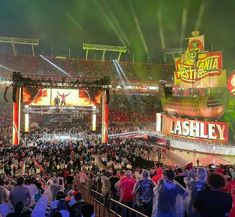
x: 85, y: 68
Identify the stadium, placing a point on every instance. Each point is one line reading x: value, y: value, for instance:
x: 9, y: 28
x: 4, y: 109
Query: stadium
x: 122, y: 108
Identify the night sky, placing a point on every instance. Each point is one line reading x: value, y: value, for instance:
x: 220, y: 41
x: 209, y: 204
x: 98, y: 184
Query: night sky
x: 137, y: 24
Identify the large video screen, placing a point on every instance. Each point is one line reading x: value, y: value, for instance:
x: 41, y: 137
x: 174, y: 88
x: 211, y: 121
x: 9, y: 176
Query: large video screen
x: 61, y: 97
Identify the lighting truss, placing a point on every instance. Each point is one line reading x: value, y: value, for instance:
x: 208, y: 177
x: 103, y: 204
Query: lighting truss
x: 21, y: 80
x: 17, y: 79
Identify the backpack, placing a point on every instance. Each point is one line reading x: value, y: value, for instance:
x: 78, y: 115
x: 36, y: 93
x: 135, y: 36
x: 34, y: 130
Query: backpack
x: 144, y: 191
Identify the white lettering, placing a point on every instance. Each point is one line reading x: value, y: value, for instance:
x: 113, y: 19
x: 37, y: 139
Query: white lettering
x: 178, y: 128
x: 186, y: 130
x: 194, y: 129
x: 211, y: 131
x: 221, y: 129
x: 198, y: 129
x: 158, y: 122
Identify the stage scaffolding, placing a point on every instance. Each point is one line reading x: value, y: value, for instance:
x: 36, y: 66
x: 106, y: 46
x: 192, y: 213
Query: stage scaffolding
x: 18, y: 81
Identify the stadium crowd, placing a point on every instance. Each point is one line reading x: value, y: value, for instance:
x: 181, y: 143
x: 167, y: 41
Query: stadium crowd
x: 47, y: 179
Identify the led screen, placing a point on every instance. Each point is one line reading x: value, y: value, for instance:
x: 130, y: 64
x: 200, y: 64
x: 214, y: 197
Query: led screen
x: 61, y: 97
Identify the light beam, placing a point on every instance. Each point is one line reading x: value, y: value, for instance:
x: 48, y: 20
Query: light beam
x: 161, y: 33
x: 183, y: 25
x: 199, y: 18
x: 137, y: 23
x: 110, y: 23
x: 116, y: 23
x: 54, y: 65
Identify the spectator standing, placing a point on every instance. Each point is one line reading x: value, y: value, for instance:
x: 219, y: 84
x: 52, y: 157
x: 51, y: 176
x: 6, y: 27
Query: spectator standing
x: 56, y: 187
x: 194, y: 187
x: 83, y: 178
x: 126, y: 186
x: 105, y: 184
x: 143, y: 192
x: 32, y: 188
x: 113, y: 180
x: 168, y: 200
x: 213, y: 202
x: 20, y: 194
x: 158, y: 176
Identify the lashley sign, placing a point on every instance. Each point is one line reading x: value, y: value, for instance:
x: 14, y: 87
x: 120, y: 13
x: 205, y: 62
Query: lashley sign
x: 197, y: 129
x: 193, y: 129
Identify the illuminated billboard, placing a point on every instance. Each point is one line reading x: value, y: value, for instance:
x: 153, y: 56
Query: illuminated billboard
x: 197, y: 68
x: 213, y: 132
x: 61, y: 97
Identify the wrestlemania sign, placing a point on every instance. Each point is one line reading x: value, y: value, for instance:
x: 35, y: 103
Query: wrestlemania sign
x: 207, y: 64
x: 196, y: 65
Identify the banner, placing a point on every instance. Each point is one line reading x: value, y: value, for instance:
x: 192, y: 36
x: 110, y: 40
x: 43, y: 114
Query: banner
x: 201, y: 74
x: 214, y: 132
x: 197, y: 68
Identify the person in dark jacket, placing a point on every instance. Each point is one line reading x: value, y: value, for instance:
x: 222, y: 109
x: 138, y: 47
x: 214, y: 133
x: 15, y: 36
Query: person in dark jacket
x: 213, y: 202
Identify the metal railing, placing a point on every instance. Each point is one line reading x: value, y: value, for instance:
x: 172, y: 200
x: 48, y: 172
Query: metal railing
x: 109, y: 207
